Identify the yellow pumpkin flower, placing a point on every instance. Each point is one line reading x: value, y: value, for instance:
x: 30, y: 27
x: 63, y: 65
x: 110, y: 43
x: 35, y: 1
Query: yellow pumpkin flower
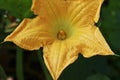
x: 65, y: 29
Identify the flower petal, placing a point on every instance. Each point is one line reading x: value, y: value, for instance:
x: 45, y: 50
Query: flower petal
x: 58, y: 56
x: 83, y: 12
x: 31, y: 34
x: 91, y: 42
x: 50, y: 9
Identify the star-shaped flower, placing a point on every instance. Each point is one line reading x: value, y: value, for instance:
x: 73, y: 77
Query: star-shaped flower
x: 65, y: 29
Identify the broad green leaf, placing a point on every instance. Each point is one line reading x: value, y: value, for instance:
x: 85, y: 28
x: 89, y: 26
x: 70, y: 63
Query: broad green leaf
x: 17, y: 8
x: 110, y: 24
x: 98, y: 77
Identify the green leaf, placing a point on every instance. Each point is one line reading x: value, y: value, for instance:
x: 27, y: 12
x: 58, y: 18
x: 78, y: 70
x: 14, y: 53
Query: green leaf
x: 98, y: 77
x: 110, y: 24
x: 2, y: 73
x: 19, y: 64
x: 17, y: 8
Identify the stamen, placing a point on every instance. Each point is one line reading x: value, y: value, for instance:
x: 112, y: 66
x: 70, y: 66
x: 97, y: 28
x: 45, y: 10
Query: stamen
x: 61, y: 35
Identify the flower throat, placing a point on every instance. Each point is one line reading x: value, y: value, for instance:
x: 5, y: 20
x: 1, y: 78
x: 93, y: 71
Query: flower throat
x: 61, y: 35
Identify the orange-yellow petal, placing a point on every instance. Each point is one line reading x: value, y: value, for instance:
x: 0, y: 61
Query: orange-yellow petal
x: 91, y: 42
x: 49, y: 9
x: 58, y: 56
x: 31, y: 34
x: 83, y: 12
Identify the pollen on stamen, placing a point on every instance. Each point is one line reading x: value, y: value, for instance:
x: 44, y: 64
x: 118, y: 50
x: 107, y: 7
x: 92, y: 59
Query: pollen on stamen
x: 61, y: 35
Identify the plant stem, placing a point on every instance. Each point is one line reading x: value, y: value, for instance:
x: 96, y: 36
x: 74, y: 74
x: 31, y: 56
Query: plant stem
x: 19, y: 64
x: 2, y: 73
x: 40, y: 57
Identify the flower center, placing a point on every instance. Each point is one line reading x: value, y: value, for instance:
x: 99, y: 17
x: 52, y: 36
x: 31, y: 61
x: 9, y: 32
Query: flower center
x: 61, y: 35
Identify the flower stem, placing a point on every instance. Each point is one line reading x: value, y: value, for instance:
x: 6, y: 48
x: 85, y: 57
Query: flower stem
x: 19, y: 64
x: 2, y: 73
x: 40, y: 57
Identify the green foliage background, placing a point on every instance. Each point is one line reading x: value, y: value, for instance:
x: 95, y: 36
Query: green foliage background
x: 95, y: 68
